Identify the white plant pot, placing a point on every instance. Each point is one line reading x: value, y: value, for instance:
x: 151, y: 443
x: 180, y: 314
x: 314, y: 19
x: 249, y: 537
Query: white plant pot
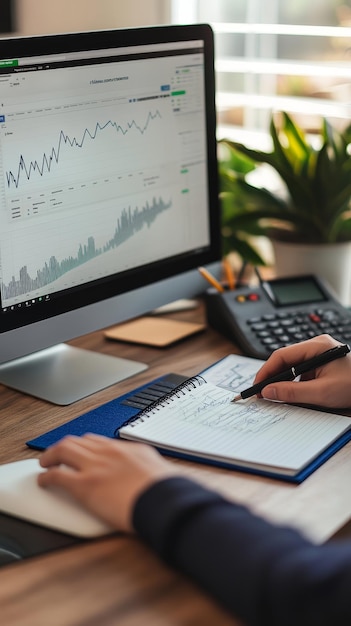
x: 331, y: 262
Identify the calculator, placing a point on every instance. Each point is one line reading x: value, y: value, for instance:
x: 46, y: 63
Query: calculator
x: 277, y: 313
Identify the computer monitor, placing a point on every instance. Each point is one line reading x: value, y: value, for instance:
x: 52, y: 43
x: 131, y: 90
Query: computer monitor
x: 108, y: 193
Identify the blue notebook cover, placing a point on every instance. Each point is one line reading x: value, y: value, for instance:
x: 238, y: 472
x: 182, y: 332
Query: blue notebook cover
x: 105, y: 419
x: 108, y: 418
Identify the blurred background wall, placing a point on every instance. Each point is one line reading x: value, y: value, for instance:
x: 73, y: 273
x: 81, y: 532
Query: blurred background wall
x: 34, y: 17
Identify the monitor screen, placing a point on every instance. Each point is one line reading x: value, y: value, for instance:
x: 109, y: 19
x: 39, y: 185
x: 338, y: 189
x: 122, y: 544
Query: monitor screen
x: 108, y: 179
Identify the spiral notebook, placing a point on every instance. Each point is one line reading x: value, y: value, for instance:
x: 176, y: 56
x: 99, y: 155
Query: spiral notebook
x: 198, y: 421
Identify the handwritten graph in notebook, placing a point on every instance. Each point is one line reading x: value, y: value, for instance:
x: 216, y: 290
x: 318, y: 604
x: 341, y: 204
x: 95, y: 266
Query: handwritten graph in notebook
x: 216, y: 411
x: 236, y: 377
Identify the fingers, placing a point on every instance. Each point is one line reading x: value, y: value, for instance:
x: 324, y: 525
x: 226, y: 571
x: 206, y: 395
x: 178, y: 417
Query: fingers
x: 58, y: 477
x: 64, y: 461
x: 327, y: 386
x: 105, y: 475
x: 77, y: 452
x: 71, y: 451
x: 294, y: 393
x: 291, y: 355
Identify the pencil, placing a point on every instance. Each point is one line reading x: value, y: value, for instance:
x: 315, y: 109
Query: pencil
x: 292, y: 373
x: 211, y: 279
x: 229, y: 273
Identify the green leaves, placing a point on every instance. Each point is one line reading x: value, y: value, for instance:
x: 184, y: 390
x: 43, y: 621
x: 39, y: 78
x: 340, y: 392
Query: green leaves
x: 316, y: 179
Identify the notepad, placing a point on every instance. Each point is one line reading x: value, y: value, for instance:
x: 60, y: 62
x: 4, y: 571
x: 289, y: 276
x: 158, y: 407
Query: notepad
x: 199, y: 421
x: 153, y: 331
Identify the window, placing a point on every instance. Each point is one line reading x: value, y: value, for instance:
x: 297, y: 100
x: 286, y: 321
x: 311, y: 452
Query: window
x: 278, y: 55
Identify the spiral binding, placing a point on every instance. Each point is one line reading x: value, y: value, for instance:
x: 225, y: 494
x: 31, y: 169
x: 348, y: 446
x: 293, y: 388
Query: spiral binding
x: 187, y: 385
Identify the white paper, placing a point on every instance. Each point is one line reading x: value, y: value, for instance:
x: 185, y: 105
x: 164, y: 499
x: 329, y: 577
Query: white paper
x: 255, y: 432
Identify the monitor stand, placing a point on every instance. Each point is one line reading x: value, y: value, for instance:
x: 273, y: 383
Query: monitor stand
x: 63, y: 374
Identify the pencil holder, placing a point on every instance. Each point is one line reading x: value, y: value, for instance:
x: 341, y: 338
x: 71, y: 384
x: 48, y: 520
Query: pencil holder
x: 229, y: 312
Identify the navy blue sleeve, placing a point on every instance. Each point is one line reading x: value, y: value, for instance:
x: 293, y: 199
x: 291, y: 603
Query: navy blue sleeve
x: 264, y: 574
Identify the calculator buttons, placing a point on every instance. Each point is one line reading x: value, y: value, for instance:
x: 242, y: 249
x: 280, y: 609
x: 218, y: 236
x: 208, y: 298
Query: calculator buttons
x: 278, y: 331
x: 259, y: 326
x: 314, y: 318
x: 267, y: 341
x: 262, y: 333
x: 275, y: 330
x: 253, y: 297
x: 250, y: 297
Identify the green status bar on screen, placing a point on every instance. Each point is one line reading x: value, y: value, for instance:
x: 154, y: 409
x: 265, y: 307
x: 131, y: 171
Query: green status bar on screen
x: 9, y: 63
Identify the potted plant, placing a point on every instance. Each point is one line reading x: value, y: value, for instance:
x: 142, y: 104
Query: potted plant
x: 309, y: 213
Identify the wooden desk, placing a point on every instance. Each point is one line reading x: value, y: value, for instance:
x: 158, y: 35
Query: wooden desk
x: 118, y: 580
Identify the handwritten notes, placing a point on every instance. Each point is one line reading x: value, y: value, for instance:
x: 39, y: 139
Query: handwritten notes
x: 202, y: 421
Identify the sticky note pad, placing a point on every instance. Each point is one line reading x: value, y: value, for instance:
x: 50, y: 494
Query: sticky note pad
x: 153, y: 331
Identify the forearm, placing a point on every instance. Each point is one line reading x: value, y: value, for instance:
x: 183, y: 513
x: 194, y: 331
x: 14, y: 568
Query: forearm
x: 263, y: 574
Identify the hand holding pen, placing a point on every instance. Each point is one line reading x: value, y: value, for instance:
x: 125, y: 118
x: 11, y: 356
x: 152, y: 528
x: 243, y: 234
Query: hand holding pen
x: 325, y: 376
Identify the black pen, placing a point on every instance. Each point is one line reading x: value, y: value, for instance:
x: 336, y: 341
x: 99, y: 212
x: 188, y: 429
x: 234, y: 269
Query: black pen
x: 297, y: 370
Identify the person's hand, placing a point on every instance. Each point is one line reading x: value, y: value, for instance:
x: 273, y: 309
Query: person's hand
x: 328, y: 386
x: 104, y: 475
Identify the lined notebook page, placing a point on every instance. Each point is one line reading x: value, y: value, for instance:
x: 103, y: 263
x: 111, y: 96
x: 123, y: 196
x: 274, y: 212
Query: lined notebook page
x: 257, y: 433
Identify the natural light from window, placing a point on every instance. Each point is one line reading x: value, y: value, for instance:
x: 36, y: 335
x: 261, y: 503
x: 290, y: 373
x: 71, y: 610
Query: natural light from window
x: 277, y: 55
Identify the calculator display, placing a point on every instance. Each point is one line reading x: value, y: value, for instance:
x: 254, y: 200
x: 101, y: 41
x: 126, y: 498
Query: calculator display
x: 288, y: 292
